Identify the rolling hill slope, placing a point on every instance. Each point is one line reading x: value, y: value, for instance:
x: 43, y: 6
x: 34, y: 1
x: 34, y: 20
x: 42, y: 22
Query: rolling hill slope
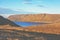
x: 53, y: 19
x: 35, y: 17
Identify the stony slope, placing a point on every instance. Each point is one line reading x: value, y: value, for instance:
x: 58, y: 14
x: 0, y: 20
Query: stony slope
x: 30, y: 33
x: 6, y: 34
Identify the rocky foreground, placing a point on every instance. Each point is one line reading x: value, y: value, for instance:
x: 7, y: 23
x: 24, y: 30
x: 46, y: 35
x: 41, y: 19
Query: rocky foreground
x: 18, y: 33
x: 6, y: 34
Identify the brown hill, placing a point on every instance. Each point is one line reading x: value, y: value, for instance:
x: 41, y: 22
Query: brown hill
x: 48, y: 28
x: 52, y: 28
x: 40, y: 32
x: 35, y: 17
x: 30, y: 33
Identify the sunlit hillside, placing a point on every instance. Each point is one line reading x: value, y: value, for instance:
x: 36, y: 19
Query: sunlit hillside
x: 48, y: 28
x: 49, y: 31
x: 36, y: 17
x: 52, y: 20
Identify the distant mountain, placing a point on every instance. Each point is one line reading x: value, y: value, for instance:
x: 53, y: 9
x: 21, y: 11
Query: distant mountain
x: 10, y: 11
x: 4, y: 21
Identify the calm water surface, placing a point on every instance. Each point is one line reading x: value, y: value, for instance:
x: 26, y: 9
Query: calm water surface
x: 24, y: 24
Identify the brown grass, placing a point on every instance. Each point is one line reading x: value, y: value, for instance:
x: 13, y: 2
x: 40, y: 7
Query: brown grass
x: 36, y: 17
x: 52, y: 28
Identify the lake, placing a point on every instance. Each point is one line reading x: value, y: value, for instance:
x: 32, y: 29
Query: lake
x: 25, y: 24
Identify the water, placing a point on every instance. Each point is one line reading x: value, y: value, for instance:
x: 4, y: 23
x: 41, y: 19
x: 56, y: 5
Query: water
x: 24, y: 24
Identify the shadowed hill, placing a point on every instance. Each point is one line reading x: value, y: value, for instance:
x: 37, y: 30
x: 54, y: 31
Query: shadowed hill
x: 4, y: 21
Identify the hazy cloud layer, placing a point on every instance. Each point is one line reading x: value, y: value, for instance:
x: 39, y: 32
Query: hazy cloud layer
x: 36, y: 6
x: 40, y: 5
x: 27, y: 0
x: 32, y: 2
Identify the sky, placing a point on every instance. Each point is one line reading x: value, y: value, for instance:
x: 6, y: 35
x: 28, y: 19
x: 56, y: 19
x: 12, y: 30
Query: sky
x: 32, y: 6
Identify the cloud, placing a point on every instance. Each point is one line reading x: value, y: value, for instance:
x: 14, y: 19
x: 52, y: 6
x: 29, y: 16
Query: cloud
x: 39, y: 0
x: 40, y: 5
x: 27, y: 3
x: 31, y: 1
x: 27, y: 0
